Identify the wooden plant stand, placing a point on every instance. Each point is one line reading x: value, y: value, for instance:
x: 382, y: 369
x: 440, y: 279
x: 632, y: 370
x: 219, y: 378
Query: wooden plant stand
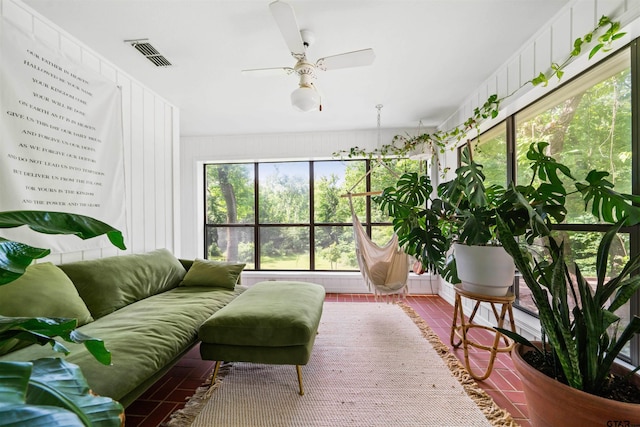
x: 461, y: 330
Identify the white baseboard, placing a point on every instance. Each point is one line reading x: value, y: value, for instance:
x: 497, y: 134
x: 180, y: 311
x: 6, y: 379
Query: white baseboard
x: 340, y: 282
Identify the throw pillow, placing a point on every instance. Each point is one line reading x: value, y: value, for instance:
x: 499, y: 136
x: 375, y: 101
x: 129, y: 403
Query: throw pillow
x: 108, y: 284
x: 213, y: 273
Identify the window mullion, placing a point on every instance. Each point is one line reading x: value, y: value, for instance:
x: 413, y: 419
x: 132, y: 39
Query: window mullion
x: 635, y: 179
x: 368, y: 216
x: 312, y: 233
x: 256, y: 215
x: 511, y: 149
x: 204, y: 212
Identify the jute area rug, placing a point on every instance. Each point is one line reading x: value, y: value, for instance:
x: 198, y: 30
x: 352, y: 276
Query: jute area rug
x: 373, y: 364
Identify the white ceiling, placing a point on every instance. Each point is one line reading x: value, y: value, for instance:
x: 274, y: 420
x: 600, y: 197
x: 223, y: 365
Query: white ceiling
x: 430, y: 55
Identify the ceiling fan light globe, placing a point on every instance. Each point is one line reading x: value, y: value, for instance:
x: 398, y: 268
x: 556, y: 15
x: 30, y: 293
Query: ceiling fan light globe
x: 305, y: 99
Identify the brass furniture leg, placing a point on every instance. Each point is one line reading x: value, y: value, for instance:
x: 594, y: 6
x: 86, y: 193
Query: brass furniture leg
x: 300, y: 379
x: 215, y: 371
x: 298, y: 369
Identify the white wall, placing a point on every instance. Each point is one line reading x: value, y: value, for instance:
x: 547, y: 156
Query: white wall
x: 151, y: 138
x: 552, y: 43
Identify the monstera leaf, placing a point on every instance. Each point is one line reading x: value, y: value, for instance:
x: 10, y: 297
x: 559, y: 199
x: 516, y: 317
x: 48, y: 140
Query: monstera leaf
x: 42, y: 330
x: 15, y: 256
x: 544, y: 167
x: 477, y: 226
x: 606, y: 203
x: 52, y: 392
x: 467, y: 189
x: 524, y: 217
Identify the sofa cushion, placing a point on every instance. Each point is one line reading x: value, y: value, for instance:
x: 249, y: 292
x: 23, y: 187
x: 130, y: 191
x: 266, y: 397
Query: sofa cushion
x: 143, y: 338
x: 108, y: 284
x: 42, y: 291
x: 213, y: 273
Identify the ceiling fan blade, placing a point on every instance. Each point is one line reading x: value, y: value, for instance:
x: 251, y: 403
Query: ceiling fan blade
x: 286, y: 19
x: 356, y: 58
x: 268, y: 71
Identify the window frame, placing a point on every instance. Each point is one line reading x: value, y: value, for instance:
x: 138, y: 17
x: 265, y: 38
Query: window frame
x: 633, y: 232
x: 311, y: 226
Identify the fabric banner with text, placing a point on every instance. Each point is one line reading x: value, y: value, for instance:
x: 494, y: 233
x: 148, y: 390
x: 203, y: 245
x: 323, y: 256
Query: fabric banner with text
x: 61, y: 139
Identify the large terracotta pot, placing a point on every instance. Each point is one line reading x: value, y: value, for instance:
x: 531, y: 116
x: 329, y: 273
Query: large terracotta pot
x: 551, y: 403
x: 486, y: 270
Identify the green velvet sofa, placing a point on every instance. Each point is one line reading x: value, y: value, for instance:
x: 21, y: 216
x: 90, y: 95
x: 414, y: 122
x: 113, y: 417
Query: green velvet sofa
x: 139, y: 304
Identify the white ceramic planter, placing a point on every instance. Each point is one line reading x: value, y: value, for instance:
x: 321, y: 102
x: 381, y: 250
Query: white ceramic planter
x: 487, y: 270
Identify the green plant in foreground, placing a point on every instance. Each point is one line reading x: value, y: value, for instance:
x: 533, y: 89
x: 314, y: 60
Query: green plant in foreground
x: 16, y: 256
x: 49, y: 391
x: 580, y: 337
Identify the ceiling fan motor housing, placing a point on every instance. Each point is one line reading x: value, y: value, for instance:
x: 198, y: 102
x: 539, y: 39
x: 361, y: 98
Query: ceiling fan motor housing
x: 306, y: 72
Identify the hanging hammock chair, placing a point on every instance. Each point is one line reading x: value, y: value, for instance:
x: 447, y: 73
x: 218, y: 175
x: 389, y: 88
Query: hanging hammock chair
x: 385, y: 269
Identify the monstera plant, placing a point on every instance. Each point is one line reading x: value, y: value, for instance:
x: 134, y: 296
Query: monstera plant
x: 51, y: 391
x: 463, y: 210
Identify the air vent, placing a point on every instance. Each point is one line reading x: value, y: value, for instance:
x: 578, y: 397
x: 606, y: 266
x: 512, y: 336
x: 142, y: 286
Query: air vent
x: 149, y: 52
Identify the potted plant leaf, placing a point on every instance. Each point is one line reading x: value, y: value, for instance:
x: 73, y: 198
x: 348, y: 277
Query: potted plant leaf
x: 50, y: 391
x: 574, y: 365
x: 464, y: 212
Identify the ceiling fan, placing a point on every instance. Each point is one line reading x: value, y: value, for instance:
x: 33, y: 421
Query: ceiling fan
x: 306, y: 97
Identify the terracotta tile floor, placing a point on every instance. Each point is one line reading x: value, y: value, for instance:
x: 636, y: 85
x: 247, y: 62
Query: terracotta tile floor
x: 169, y: 393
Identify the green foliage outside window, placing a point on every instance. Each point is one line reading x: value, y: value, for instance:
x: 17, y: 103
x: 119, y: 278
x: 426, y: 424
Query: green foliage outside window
x: 587, y: 128
x: 587, y: 123
x: 286, y: 212
x: 491, y: 152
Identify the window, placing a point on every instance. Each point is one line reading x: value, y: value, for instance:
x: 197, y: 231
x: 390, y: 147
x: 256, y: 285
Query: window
x: 284, y: 206
x: 588, y: 125
x: 333, y: 241
x: 490, y: 150
x: 230, y: 205
x: 290, y: 215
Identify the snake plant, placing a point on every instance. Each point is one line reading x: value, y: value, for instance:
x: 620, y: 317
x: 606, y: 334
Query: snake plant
x: 583, y: 336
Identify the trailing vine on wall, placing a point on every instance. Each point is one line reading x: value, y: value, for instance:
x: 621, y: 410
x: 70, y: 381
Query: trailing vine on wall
x: 439, y: 141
